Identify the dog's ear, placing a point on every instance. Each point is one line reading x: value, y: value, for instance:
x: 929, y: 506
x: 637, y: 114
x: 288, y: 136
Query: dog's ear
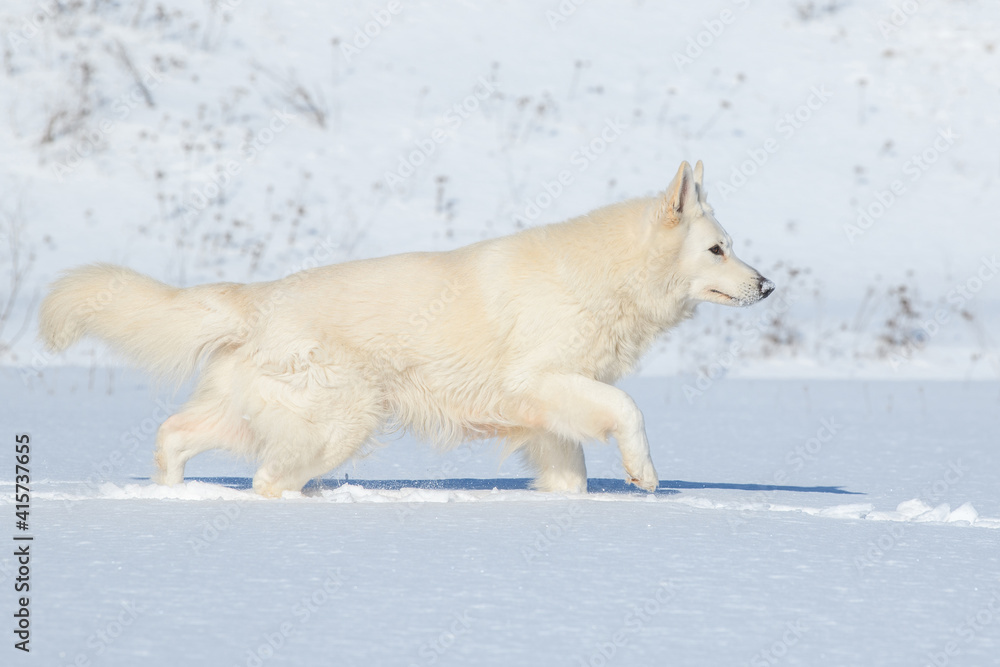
x: 699, y: 178
x: 680, y: 195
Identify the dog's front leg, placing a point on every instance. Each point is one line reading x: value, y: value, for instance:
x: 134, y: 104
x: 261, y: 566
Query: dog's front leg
x: 579, y: 408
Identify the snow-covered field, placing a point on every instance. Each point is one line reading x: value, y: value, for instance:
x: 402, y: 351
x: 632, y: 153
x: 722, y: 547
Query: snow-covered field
x: 797, y: 522
x: 828, y: 458
x: 853, y: 160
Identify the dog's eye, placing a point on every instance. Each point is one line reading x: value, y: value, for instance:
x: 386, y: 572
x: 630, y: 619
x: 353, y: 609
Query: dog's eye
x: 715, y: 250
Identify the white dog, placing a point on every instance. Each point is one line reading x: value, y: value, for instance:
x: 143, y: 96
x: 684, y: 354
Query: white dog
x: 518, y: 337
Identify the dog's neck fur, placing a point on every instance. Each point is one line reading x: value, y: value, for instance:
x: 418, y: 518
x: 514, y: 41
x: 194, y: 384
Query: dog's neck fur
x: 644, y: 297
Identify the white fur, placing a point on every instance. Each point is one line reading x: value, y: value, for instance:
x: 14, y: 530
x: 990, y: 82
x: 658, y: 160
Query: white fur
x: 517, y: 337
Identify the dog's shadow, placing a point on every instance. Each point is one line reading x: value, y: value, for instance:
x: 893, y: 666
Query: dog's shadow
x: 594, y: 485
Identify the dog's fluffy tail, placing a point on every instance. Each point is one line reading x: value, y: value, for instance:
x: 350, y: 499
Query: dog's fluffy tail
x: 164, y: 329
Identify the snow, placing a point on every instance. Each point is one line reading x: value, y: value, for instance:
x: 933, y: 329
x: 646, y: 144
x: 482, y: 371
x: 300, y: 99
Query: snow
x: 874, y: 545
x: 828, y: 457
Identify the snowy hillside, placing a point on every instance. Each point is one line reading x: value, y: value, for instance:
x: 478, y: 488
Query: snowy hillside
x: 850, y: 151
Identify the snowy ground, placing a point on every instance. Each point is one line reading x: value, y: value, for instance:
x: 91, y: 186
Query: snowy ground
x: 828, y: 465
x: 797, y: 522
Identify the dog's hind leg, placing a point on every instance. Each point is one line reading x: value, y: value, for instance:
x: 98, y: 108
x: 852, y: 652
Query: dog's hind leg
x: 274, y: 478
x: 314, y: 428
x: 558, y: 463
x: 186, y: 434
x: 306, y: 454
x: 207, y: 421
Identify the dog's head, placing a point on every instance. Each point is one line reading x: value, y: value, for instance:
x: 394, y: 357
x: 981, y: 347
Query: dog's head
x: 705, y: 257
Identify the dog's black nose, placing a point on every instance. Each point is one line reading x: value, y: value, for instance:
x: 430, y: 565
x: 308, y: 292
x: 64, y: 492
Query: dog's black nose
x: 766, y: 287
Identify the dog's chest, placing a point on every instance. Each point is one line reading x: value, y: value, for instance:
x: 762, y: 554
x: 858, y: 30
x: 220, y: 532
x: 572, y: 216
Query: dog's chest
x: 618, y: 346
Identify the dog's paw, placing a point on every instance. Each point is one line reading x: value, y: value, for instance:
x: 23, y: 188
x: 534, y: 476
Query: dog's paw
x: 647, y: 480
x: 560, y: 484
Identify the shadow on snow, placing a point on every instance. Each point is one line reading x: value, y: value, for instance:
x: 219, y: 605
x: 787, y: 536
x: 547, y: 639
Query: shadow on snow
x: 594, y: 485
